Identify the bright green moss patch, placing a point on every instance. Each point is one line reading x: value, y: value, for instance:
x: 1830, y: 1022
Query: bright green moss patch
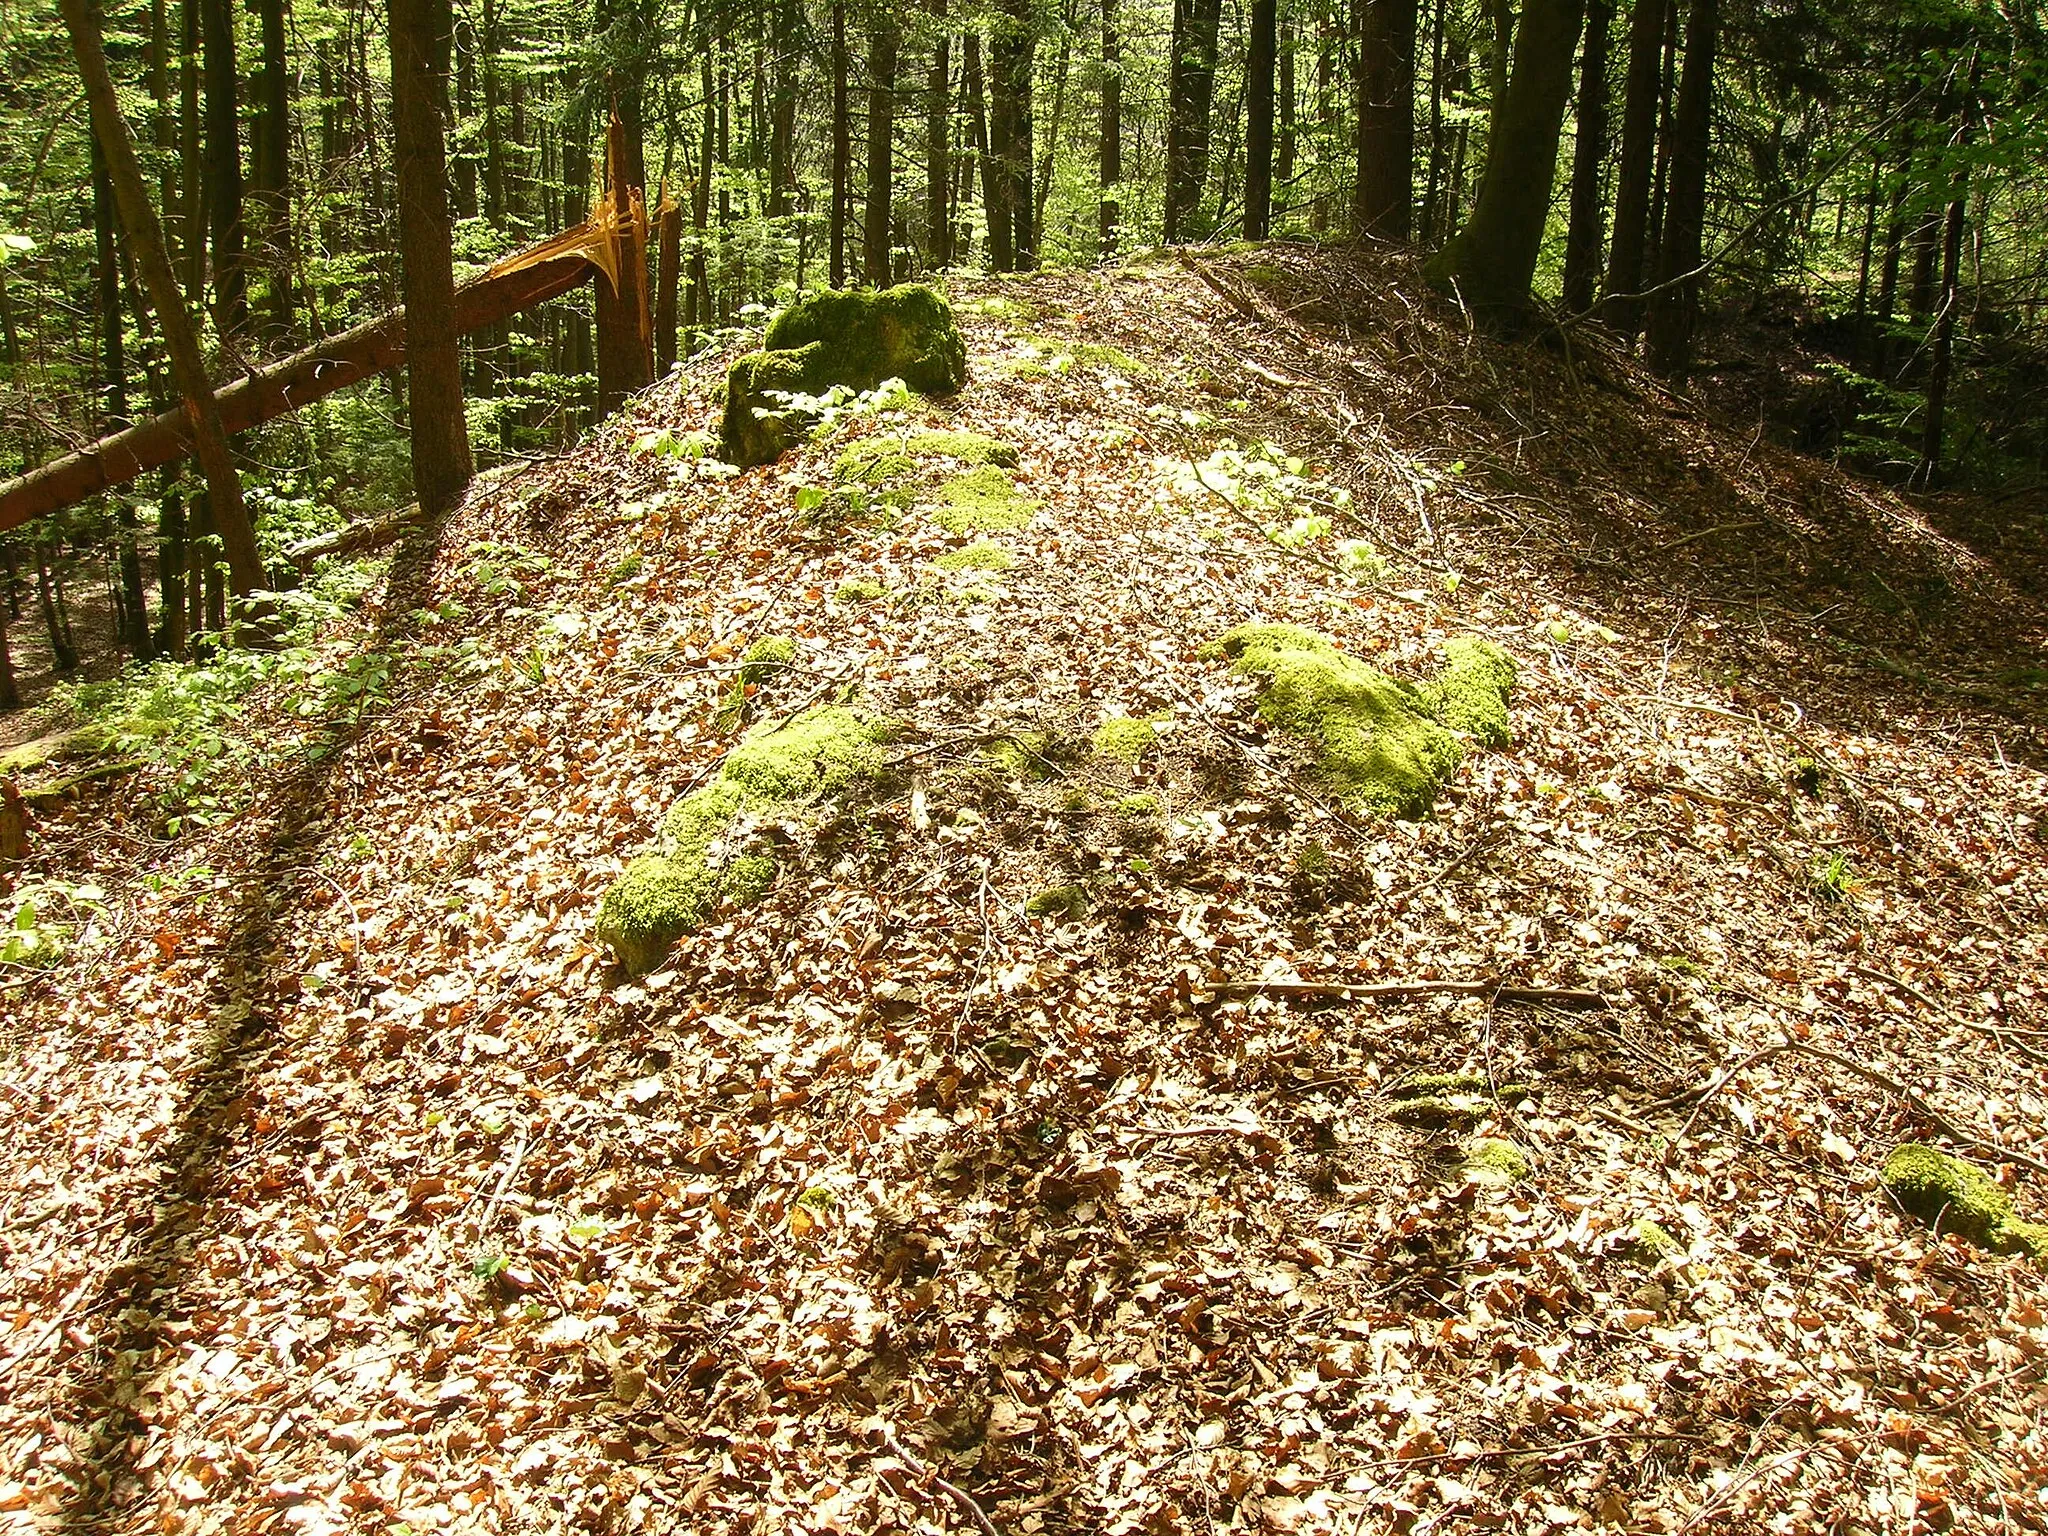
x: 1123, y: 739
x: 886, y: 460
x: 982, y: 500
x: 1448, y: 1100
x: 665, y: 895
x: 651, y: 905
x: 1377, y: 740
x: 1115, y: 359
x: 1138, y: 807
x: 1471, y: 693
x: 860, y: 589
x: 1491, y: 1160
x: 766, y: 657
x: 1650, y: 1245
x: 978, y: 556
x: 1069, y: 901
x: 1022, y: 756
x: 1374, y: 742
x: 1956, y: 1196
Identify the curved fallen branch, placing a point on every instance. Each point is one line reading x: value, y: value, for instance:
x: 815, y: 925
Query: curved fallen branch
x: 1492, y: 991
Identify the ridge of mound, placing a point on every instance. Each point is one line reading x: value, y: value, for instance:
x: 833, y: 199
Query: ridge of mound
x: 1107, y: 1115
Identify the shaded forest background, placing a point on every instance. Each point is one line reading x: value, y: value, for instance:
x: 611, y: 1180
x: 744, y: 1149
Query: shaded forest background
x: 1824, y: 216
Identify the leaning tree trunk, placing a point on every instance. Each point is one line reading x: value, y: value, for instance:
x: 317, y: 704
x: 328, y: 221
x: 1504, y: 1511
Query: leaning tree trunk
x: 876, y: 246
x: 1383, y: 190
x: 421, y: 33
x: 1629, y: 241
x: 1675, y: 311
x: 181, y: 337
x: 1261, y: 61
x: 1589, y: 159
x: 1492, y: 260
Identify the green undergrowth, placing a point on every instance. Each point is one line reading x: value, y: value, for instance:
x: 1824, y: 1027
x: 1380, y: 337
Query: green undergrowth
x: 1955, y: 1196
x: 1382, y: 744
x: 701, y: 863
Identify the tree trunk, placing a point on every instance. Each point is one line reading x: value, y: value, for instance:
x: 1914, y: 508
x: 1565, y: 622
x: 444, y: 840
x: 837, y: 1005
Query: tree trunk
x: 114, y: 382
x: 270, y: 160
x: 625, y: 356
x: 1261, y: 61
x: 1493, y: 258
x: 62, y: 656
x: 1589, y: 160
x: 224, y: 167
x: 1628, y: 243
x: 842, y: 146
x: 145, y: 239
x: 990, y: 146
x: 10, y: 693
x: 669, y: 266
x: 1942, y: 365
x: 1674, y: 313
x: 421, y: 34
x: 170, y: 566
x: 1384, y: 188
x: 1190, y: 91
x: 938, y: 145
x: 1047, y: 161
x: 1013, y: 47
x: 876, y: 248
x: 1110, y: 167
x: 782, y: 110
x: 700, y: 201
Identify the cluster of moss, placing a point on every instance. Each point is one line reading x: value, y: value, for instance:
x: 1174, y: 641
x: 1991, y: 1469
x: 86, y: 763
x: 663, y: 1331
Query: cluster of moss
x: 677, y: 889
x: 860, y: 589
x: 982, y: 500
x: 1384, y: 745
x: 1023, y: 756
x: 1957, y: 1197
x: 854, y: 337
x: 1125, y: 740
x: 981, y: 555
x: 766, y: 657
x: 886, y: 458
x: 1448, y: 1100
x: 1069, y: 901
x: 1492, y: 1160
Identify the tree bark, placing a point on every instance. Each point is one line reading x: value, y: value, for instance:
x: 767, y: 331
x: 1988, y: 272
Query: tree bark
x: 1013, y: 48
x: 938, y: 145
x: 1492, y: 259
x: 224, y: 167
x: 145, y: 239
x: 876, y: 246
x: 1674, y: 313
x: 1942, y: 366
x: 1384, y: 187
x: 421, y: 34
x: 1261, y: 61
x: 1110, y: 129
x: 1190, y: 92
x: 1589, y: 160
x: 668, y: 264
x: 1628, y: 243
x: 270, y: 160
x: 114, y: 384
x: 842, y: 146
x: 990, y: 147
x: 170, y: 567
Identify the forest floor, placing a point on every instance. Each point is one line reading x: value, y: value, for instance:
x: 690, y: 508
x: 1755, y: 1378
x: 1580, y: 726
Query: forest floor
x: 346, y: 1186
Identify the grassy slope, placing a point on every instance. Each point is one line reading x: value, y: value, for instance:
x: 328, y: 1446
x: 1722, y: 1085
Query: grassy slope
x: 887, y: 1156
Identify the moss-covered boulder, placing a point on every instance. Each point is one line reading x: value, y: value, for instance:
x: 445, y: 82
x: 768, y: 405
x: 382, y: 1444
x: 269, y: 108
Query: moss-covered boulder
x: 1955, y: 1196
x: 856, y: 338
x: 701, y: 866
x: 1383, y: 745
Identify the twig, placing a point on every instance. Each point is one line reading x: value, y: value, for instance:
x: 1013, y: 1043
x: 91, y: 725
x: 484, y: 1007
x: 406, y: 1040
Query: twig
x: 1187, y: 1132
x: 1705, y: 533
x: 1560, y: 997
x: 1870, y: 1075
x: 2003, y: 1036
x: 960, y: 1496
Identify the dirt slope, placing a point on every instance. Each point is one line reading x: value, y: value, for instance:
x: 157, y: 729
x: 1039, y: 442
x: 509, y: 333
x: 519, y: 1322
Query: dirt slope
x: 347, y: 1187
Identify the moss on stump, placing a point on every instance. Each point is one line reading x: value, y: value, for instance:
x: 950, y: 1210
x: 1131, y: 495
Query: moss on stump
x: 681, y: 886
x: 856, y: 338
x: 1958, y: 1197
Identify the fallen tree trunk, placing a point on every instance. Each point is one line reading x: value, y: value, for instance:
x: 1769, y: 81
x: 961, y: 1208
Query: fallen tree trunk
x: 373, y: 534
x: 355, y: 354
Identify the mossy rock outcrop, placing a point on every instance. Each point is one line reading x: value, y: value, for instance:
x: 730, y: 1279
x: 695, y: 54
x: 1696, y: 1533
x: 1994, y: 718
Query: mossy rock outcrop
x: 698, y: 869
x: 1956, y: 1196
x: 1382, y: 744
x: 856, y: 338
